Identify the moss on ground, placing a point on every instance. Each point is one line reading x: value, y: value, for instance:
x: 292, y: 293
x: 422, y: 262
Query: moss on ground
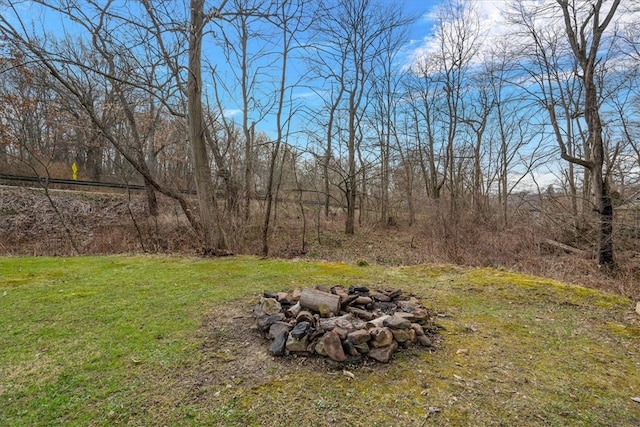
x: 167, y: 341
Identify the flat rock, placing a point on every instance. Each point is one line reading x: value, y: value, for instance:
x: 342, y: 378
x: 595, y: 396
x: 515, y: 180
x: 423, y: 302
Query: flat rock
x: 359, y: 336
x: 342, y: 332
x: 383, y: 354
x: 406, y: 315
x: 397, y: 322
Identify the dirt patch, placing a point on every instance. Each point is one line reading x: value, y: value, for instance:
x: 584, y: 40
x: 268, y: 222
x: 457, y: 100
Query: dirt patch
x: 234, y: 353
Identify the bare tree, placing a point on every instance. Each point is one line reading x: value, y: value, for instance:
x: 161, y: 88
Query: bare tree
x: 584, y: 29
x: 288, y: 16
x: 351, y: 33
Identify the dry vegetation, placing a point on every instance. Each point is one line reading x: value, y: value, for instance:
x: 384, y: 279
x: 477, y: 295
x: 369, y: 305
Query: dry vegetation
x: 63, y: 222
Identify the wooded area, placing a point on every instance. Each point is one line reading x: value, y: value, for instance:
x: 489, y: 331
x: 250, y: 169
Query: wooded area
x: 288, y: 113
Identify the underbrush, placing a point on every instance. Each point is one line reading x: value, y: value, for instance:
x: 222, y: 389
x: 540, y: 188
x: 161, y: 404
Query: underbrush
x: 111, y: 223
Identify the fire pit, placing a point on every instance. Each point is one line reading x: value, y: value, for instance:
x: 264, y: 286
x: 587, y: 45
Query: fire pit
x: 345, y: 325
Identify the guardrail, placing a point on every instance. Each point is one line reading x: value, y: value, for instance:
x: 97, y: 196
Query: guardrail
x: 44, y: 181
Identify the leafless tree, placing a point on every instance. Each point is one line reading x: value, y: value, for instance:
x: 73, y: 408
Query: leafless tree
x: 584, y: 30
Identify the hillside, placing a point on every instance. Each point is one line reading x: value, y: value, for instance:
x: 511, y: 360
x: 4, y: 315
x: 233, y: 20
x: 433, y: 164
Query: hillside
x: 86, y: 223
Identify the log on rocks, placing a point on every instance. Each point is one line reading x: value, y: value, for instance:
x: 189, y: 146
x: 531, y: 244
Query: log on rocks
x: 294, y: 310
x: 320, y: 301
x: 377, y: 322
x: 347, y: 321
x: 305, y: 316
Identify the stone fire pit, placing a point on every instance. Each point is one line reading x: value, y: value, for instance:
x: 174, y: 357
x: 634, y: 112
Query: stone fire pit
x: 345, y: 325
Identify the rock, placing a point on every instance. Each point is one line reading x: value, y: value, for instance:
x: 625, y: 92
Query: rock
x: 297, y: 344
x: 277, y: 347
x: 409, y: 305
x: 401, y: 335
x: 425, y: 341
x: 406, y: 315
x: 421, y: 315
x: 257, y: 311
x: 412, y: 335
x: 359, y: 336
x: 300, y: 329
x: 296, y: 294
x: 397, y: 322
x: 380, y: 337
x: 349, y: 348
x: 320, y: 348
x: 270, y: 306
x: 342, y: 332
x: 285, y: 298
x: 383, y: 354
x: 344, y: 302
x: 418, y: 328
x: 264, y: 321
x: 387, y: 307
x: 390, y: 293
x: 333, y: 346
x: 638, y: 307
x: 362, y: 301
x: 363, y: 348
x: 340, y: 291
x: 361, y: 290
x: 276, y: 328
x: 378, y: 296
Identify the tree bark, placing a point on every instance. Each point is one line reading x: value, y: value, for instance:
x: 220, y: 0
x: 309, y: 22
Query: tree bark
x: 213, y: 233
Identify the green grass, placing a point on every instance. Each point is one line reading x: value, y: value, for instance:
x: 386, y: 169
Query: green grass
x: 102, y: 341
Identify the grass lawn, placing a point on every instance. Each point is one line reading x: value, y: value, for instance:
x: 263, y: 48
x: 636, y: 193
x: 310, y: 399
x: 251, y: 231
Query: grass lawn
x: 147, y: 341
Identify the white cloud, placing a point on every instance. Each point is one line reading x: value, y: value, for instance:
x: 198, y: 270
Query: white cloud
x: 231, y: 112
x: 490, y: 18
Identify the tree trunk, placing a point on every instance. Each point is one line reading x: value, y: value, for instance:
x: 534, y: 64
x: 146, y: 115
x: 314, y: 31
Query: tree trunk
x: 213, y: 234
